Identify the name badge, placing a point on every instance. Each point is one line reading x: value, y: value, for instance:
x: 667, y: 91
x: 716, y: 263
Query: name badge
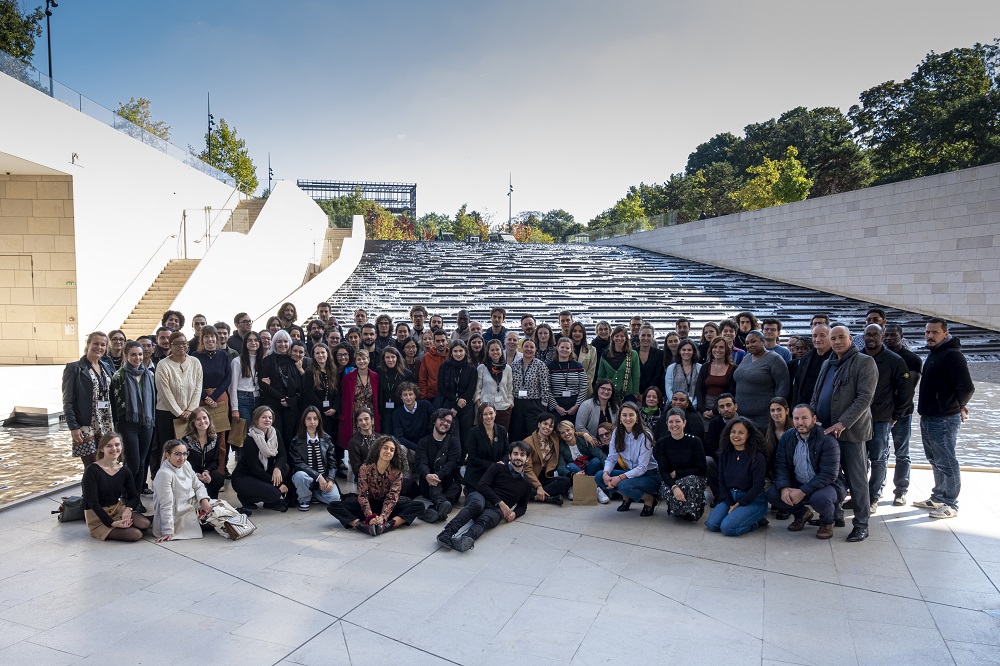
x: 566, y: 394
x: 326, y: 404
x: 390, y: 405
x: 522, y: 394
x: 104, y: 404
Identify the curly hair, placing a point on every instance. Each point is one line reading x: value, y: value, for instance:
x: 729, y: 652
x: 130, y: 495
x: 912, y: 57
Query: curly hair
x: 755, y: 438
x: 398, y: 461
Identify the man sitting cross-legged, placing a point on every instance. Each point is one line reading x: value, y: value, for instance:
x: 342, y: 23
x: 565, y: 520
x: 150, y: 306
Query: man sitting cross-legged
x: 501, y: 496
x: 807, y: 471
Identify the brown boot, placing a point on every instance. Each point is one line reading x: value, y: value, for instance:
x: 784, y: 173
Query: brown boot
x: 799, y: 524
x: 825, y: 531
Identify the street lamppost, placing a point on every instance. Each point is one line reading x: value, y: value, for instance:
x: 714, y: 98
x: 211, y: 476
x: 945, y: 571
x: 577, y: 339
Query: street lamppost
x: 48, y: 36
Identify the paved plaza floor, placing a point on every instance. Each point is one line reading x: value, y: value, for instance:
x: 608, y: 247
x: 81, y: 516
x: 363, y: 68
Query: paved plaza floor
x: 584, y: 585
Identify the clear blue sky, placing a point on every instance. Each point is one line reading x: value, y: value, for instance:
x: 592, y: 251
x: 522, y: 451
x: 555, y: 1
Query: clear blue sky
x: 578, y: 98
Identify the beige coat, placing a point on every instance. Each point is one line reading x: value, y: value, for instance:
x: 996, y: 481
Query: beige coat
x: 176, y: 495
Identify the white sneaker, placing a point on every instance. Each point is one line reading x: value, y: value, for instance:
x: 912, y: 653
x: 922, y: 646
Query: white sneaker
x: 944, y: 511
x: 570, y: 495
x: 602, y: 497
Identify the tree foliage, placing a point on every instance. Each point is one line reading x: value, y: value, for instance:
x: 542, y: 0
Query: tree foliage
x: 945, y: 116
x: 467, y: 224
x: 774, y: 182
x: 229, y: 154
x: 138, y: 112
x: 18, y: 30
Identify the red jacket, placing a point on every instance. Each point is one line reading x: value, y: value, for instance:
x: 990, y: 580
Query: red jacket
x: 429, y: 367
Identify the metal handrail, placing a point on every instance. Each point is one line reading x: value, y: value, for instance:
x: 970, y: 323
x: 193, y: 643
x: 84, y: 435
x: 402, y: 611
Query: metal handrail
x: 136, y: 276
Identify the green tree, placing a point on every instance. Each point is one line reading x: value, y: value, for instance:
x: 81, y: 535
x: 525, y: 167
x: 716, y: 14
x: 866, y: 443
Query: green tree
x: 137, y: 112
x: 229, y: 154
x: 429, y: 224
x: 341, y: 210
x: 720, y: 148
x: 18, y: 30
x: 945, y: 116
x: 468, y: 224
x: 774, y: 182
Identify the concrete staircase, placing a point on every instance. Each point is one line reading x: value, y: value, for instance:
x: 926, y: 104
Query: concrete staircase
x: 244, y: 215
x: 333, y: 241
x: 146, y: 316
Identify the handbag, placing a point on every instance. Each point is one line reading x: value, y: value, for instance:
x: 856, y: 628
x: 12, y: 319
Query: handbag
x: 227, y: 521
x: 220, y: 416
x: 70, y: 509
x: 238, y: 433
x: 584, y: 490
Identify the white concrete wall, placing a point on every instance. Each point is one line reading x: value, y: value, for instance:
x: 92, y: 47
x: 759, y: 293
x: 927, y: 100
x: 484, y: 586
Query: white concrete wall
x: 929, y: 245
x: 257, y: 271
x: 127, y: 197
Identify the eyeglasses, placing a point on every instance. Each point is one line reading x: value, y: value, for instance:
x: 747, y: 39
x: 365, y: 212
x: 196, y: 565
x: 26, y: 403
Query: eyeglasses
x: 117, y: 339
x: 179, y: 454
x: 245, y: 321
x: 178, y: 344
x: 604, y: 435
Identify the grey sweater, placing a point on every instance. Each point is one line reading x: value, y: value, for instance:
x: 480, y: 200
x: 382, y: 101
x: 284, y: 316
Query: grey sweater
x: 757, y: 382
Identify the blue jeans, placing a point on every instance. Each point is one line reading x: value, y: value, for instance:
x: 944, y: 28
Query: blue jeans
x: 878, y: 459
x: 940, y: 436
x: 632, y: 488
x: 303, y: 482
x: 740, y: 520
x: 247, y: 402
x: 594, y: 465
x: 901, y: 452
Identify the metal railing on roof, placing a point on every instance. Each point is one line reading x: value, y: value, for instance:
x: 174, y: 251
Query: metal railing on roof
x: 667, y: 219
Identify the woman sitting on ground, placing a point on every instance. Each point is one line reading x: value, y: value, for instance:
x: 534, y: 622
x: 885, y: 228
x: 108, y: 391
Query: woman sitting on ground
x: 587, y: 458
x: 105, y: 484
x: 202, y: 444
x: 378, y: 508
x: 681, y: 460
x: 261, y: 471
x: 742, y: 469
x: 487, y: 444
x: 313, y: 460
x: 179, y: 496
x: 630, y: 468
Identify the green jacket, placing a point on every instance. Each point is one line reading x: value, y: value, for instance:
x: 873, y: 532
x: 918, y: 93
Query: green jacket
x: 617, y: 377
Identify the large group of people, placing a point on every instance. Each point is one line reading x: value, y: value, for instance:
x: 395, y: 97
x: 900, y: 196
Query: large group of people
x: 725, y: 426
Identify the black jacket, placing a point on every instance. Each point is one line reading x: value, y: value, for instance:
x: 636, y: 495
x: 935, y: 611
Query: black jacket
x: 298, y: 457
x: 894, y: 390
x: 202, y: 461
x: 441, y: 458
x: 945, y: 385
x: 286, y: 381
x: 824, y: 454
x: 456, y: 379
x: 410, y: 428
x: 78, y: 392
x: 483, y: 452
x: 500, y: 485
x: 249, y: 462
x: 804, y: 379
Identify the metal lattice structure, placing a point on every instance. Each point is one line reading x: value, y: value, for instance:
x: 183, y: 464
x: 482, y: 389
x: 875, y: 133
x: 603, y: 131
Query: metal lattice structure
x: 397, y: 198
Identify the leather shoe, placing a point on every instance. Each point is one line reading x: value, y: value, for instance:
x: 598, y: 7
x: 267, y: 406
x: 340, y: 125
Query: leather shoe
x: 858, y: 534
x: 799, y: 524
x: 838, y: 522
x: 825, y: 531
x: 647, y: 510
x: 626, y: 503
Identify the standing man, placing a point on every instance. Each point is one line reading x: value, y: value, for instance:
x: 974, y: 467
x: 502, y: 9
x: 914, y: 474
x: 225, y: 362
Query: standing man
x: 243, y: 324
x: 945, y: 389
x: 565, y: 323
x: 360, y: 317
x: 902, y: 428
x: 842, y: 398
x: 496, y: 331
x: 528, y: 326
x: 316, y: 334
x: 634, y: 326
x: 162, y: 344
x: 683, y: 328
x: 771, y: 328
x: 804, y: 380
x: 462, y: 331
x: 892, y: 393
x: 433, y: 359
x: 873, y: 316
x: 418, y: 315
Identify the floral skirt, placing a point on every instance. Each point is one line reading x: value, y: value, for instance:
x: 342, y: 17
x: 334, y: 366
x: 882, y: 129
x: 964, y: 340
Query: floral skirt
x: 693, y: 488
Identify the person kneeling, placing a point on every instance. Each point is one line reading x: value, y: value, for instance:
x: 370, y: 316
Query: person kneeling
x: 681, y: 460
x: 630, y: 468
x: 378, y: 508
x: 179, y: 496
x: 313, y: 459
x: 261, y: 471
x: 502, y: 486
x: 742, y: 467
x: 807, y: 471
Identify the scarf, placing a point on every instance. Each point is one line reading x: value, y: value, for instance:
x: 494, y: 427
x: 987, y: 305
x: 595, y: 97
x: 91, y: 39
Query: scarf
x: 267, y: 443
x: 139, y: 409
x: 496, y: 369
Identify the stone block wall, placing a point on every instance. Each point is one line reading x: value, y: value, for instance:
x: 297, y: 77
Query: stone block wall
x: 929, y: 245
x: 38, y: 310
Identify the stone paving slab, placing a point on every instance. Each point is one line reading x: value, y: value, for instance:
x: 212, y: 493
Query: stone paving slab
x: 579, y: 585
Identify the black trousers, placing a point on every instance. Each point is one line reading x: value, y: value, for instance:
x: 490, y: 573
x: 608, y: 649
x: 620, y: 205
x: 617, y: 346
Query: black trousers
x: 559, y: 485
x: 250, y: 490
x: 448, y: 489
x: 524, y: 418
x: 347, y: 511
x: 483, y: 518
x: 136, y: 440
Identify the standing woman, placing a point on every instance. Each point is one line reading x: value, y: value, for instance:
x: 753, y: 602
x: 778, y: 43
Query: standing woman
x: 682, y: 374
x: 531, y: 391
x: 620, y: 364
x: 603, y: 407
x: 742, y: 468
x: 495, y: 383
x: 134, y: 391
x: 630, y: 468
x: 343, y: 358
x: 179, y: 495
x: 244, y: 389
x: 545, y: 349
x: 670, y: 346
x: 760, y: 376
x: 602, y: 338
x: 359, y: 390
x: 714, y: 378
x: 650, y: 359
x: 217, y: 375
x: 411, y: 352
x: 477, y: 350
x: 281, y: 385
x: 708, y: 333
x: 781, y: 420
x: 391, y: 374
x: 261, y: 473
x: 510, y: 348
x: 86, y: 393
x: 202, y: 451
x: 265, y: 342
x: 273, y: 325
x: 320, y: 388
x: 488, y: 444
x: 178, y: 389
x: 681, y: 460
x: 106, y: 482
x: 585, y: 353
x: 567, y: 382
x: 116, y: 350
x: 457, y: 388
